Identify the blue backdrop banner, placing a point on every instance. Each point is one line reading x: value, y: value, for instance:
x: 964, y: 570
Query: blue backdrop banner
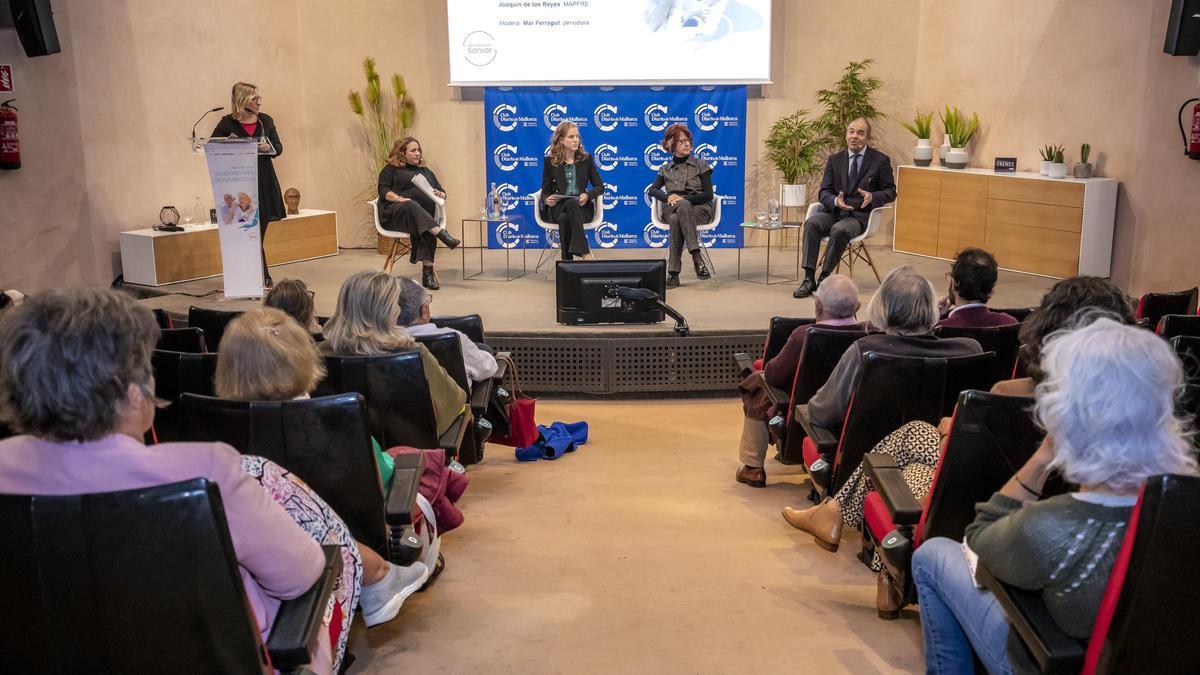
x: 622, y: 127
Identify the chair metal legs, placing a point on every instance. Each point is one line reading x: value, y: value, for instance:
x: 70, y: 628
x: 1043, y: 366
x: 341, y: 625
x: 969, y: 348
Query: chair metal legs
x: 854, y: 251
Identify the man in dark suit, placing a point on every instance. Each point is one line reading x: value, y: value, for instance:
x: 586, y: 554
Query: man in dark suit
x: 972, y: 279
x: 856, y: 182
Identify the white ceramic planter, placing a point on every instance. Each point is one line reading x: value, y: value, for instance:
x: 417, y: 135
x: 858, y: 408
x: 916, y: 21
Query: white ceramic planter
x: 944, y: 150
x: 923, y: 152
x: 795, y: 195
x: 956, y: 158
x: 1057, y: 169
x: 1045, y: 168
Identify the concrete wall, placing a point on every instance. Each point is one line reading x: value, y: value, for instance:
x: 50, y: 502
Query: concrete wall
x: 104, y: 122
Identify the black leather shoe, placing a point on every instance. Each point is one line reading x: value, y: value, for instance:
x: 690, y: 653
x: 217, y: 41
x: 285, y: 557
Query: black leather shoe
x: 805, y: 289
x: 429, y: 278
x: 448, y: 239
x: 698, y: 263
x: 673, y: 280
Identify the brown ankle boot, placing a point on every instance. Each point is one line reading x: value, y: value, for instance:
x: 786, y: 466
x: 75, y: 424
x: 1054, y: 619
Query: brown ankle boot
x: 887, y: 596
x: 823, y: 522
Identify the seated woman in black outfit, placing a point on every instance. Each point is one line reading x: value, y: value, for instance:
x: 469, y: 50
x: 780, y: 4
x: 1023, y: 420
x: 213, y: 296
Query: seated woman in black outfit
x: 684, y: 188
x: 405, y: 207
x: 566, y: 171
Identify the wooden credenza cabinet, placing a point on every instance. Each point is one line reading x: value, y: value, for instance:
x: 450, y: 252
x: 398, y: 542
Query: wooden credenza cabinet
x: 1054, y: 227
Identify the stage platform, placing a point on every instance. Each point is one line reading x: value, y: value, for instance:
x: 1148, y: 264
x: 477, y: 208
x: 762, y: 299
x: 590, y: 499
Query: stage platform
x: 726, y: 315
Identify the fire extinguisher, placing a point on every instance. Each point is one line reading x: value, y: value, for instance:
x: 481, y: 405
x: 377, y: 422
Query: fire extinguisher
x: 1191, y: 142
x: 10, y: 144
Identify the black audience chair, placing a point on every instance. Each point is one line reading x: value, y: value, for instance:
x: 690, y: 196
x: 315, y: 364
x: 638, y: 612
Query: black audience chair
x: 1174, y: 325
x: 5, y: 432
x: 778, y: 332
x: 891, y: 391
x: 175, y: 374
x: 140, y: 581
x: 991, y: 436
x: 823, y: 348
x: 1187, y: 348
x: 1018, y: 313
x: 1142, y: 625
x: 213, y: 321
x: 399, y: 408
x: 1153, y: 306
x: 469, y: 324
x: 447, y: 349
x: 163, y: 319
x: 324, y: 441
x: 1002, y: 340
x: 189, y: 340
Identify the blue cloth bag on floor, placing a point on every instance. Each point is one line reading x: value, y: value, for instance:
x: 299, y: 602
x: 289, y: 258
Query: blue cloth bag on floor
x: 554, y: 441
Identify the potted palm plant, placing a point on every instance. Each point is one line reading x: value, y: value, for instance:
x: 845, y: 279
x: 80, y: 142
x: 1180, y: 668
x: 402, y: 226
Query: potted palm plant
x: 959, y: 131
x: 920, y: 127
x: 793, y: 146
x: 1058, y: 167
x: 1082, y: 168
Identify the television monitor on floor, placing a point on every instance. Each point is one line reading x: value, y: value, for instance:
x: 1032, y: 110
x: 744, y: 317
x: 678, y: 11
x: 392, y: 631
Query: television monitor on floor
x: 582, y: 289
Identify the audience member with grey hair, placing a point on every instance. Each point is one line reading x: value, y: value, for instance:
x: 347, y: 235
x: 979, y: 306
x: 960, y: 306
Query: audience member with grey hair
x: 414, y: 316
x: 1107, y: 403
x: 836, y: 304
x: 905, y: 310
x: 76, y: 381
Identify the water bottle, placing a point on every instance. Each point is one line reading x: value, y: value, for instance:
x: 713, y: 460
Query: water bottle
x: 495, y: 197
x: 773, y: 211
x: 198, y: 212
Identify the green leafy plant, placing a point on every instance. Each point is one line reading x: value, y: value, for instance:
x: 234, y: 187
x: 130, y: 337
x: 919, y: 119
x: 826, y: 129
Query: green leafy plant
x: 958, y: 128
x: 1085, y: 151
x: 1058, y: 155
x: 848, y: 99
x: 384, y: 118
x: 793, y: 145
x: 1049, y: 152
x: 921, y: 125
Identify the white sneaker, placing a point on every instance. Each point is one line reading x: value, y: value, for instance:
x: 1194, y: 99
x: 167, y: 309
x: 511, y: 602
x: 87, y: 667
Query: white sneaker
x: 382, y: 600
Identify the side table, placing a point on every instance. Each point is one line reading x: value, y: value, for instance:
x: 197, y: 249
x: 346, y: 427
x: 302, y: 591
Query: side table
x: 782, y: 228
x: 511, y: 235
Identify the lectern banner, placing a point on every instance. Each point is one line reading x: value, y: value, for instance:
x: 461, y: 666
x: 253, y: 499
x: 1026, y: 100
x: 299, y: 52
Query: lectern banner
x: 622, y: 127
x: 233, y: 171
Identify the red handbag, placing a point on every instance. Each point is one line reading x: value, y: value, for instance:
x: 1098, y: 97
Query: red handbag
x: 522, y: 429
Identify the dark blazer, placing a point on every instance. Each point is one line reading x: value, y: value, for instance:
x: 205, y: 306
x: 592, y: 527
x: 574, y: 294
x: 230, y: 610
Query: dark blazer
x: 976, y: 317
x: 874, y: 176
x: 270, y: 196
x: 554, y: 179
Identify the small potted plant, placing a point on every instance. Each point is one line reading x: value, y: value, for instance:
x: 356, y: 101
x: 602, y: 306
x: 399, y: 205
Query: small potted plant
x: 794, y: 146
x: 1058, y: 167
x: 1083, y: 168
x: 1047, y: 153
x: 959, y: 130
x: 920, y: 127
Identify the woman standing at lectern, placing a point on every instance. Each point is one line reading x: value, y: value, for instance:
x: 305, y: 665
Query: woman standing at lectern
x: 246, y: 121
x: 684, y: 191
x: 407, y: 193
x: 566, y: 171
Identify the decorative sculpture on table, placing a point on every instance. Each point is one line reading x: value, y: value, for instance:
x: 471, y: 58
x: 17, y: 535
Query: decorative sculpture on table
x: 292, y: 199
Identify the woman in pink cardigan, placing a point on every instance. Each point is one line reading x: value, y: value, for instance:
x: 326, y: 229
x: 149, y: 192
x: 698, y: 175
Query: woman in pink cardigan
x: 75, y: 379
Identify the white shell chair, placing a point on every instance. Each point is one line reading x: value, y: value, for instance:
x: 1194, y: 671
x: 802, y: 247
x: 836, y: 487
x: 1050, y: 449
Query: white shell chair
x: 400, y: 240
x: 857, y: 248
x: 547, y: 228
x: 657, y: 221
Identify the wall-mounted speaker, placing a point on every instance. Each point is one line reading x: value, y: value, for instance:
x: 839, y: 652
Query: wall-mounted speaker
x: 34, y: 21
x: 1183, y: 28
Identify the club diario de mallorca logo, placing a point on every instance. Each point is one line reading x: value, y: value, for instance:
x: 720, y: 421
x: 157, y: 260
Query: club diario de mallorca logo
x: 507, y: 157
x: 506, y: 118
x: 607, y: 117
x: 708, y: 117
x: 609, y: 157
x: 606, y: 235
x: 555, y: 113
x: 657, y: 117
x: 654, y: 156
x: 510, y: 194
x: 712, y: 155
x: 654, y: 237
x: 508, y: 235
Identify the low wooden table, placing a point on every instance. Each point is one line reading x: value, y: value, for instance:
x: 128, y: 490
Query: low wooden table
x: 153, y: 258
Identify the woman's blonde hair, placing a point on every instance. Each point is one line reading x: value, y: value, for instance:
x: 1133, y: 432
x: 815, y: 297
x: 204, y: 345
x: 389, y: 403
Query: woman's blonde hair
x: 365, y: 321
x: 558, y: 151
x: 239, y: 97
x: 396, y: 156
x: 266, y: 355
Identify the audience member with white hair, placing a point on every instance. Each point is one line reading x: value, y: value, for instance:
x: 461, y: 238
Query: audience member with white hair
x: 836, y: 306
x: 414, y: 317
x: 1107, y: 403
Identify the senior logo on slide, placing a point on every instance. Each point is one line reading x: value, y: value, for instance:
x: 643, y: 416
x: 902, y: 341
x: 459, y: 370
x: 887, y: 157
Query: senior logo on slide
x: 479, y: 48
x: 654, y: 156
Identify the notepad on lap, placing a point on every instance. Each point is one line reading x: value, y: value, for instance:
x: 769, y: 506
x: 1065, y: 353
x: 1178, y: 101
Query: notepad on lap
x: 425, y: 187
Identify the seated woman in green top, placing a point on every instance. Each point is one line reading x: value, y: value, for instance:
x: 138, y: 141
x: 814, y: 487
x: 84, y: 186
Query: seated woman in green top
x: 566, y: 198
x: 267, y: 356
x: 1107, y: 404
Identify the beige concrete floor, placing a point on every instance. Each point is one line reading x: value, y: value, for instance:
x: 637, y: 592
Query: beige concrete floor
x: 527, y: 304
x: 639, y: 554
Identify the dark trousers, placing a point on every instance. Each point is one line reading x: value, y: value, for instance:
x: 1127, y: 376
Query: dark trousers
x: 262, y: 245
x: 570, y: 217
x: 413, y: 218
x: 683, y: 218
x: 840, y: 233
